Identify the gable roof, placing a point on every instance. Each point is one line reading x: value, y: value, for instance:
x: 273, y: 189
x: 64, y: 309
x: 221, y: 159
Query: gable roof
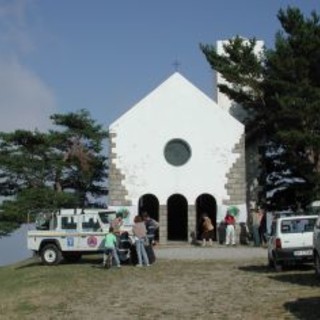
x: 174, y: 90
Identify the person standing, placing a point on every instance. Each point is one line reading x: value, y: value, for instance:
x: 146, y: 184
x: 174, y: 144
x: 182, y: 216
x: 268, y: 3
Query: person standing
x: 230, y: 231
x: 207, y: 230
x: 151, y: 225
x: 263, y: 227
x: 110, y: 244
x: 140, y: 236
x: 256, y: 221
x: 117, y: 223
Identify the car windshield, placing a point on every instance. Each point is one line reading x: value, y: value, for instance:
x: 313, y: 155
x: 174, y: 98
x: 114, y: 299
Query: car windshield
x: 45, y: 220
x: 298, y: 225
x: 107, y: 216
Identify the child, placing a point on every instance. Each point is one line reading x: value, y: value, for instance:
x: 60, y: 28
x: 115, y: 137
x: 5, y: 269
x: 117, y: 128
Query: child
x: 110, y: 244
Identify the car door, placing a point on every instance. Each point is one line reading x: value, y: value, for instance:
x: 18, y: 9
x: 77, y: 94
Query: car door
x: 91, y: 236
x: 291, y: 235
x: 308, y: 227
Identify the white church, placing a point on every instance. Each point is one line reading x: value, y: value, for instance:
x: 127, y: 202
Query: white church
x: 177, y: 154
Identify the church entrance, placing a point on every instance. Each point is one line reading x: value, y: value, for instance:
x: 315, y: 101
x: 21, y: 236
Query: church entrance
x: 206, y: 203
x: 149, y: 203
x: 177, y: 207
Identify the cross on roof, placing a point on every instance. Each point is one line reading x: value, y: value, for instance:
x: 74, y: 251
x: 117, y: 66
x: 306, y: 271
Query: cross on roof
x: 176, y: 64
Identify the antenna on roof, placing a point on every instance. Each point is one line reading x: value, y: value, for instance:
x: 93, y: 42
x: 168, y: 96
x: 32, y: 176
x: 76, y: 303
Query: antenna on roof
x: 176, y: 64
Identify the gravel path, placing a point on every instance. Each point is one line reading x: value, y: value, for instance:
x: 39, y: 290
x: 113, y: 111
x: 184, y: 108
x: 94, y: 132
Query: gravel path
x: 188, y: 252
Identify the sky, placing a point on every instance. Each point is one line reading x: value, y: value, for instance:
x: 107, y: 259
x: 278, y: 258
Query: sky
x: 60, y: 56
x: 105, y: 55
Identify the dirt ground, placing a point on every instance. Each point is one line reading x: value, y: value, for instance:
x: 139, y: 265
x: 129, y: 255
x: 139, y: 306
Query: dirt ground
x: 169, y: 289
x: 210, y: 290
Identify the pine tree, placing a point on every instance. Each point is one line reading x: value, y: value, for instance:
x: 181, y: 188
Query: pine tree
x: 292, y: 87
x: 280, y: 92
x: 80, y: 144
x: 61, y: 168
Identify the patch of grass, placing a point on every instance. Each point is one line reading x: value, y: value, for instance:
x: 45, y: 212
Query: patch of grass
x: 166, y: 290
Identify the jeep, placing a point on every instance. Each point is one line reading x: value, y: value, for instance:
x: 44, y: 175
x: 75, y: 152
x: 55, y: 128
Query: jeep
x: 69, y: 233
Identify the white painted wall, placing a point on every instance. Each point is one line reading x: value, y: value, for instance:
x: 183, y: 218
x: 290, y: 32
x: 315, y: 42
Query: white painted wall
x: 176, y: 109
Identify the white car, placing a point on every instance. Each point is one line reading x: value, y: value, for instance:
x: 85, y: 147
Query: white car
x: 316, y: 246
x: 70, y: 233
x: 291, y: 240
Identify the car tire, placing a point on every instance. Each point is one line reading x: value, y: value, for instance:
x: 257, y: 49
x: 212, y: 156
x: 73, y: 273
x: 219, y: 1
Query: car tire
x: 51, y: 255
x: 317, y: 264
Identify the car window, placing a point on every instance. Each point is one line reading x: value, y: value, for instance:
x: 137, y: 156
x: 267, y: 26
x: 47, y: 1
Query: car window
x: 68, y: 223
x: 298, y: 225
x: 90, y: 223
x: 107, y: 216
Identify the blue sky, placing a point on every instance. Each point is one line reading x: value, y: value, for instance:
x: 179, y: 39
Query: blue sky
x: 106, y: 55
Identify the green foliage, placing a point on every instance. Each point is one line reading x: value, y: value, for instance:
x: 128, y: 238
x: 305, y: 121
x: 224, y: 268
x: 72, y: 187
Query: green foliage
x: 83, y: 168
x: 243, y: 69
x: 61, y: 168
x: 281, y: 93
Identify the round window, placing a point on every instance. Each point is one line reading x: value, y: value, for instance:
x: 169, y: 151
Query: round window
x: 177, y: 152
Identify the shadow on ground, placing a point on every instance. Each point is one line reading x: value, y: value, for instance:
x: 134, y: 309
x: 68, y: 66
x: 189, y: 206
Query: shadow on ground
x: 302, y: 279
x: 35, y: 262
x: 264, y: 268
x: 304, y: 308
x: 256, y: 268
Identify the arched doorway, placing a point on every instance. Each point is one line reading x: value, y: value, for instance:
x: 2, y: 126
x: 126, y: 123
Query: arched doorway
x: 149, y: 203
x: 206, y: 203
x: 177, y: 207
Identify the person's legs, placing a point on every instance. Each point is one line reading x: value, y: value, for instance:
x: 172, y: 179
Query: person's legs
x: 138, y: 249
x: 115, y: 256
x: 228, y: 234
x: 144, y: 255
x: 232, y: 235
x: 105, y: 255
x: 204, y: 239
x: 256, y: 235
x: 210, y: 237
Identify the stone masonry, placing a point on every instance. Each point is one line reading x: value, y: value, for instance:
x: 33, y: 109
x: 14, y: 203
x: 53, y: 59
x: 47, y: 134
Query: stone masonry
x: 236, y: 177
x: 117, y: 191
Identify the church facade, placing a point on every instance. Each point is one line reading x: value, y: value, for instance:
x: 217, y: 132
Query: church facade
x: 177, y: 154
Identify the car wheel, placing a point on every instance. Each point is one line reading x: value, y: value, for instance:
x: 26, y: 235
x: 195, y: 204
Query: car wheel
x: 317, y: 264
x: 72, y: 257
x: 50, y: 254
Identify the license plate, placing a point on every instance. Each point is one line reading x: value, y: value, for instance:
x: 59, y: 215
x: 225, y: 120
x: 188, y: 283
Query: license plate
x: 303, y: 253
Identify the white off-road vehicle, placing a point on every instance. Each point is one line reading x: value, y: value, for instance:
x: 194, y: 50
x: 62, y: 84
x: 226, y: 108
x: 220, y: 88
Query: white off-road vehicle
x: 291, y: 240
x: 70, y: 233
